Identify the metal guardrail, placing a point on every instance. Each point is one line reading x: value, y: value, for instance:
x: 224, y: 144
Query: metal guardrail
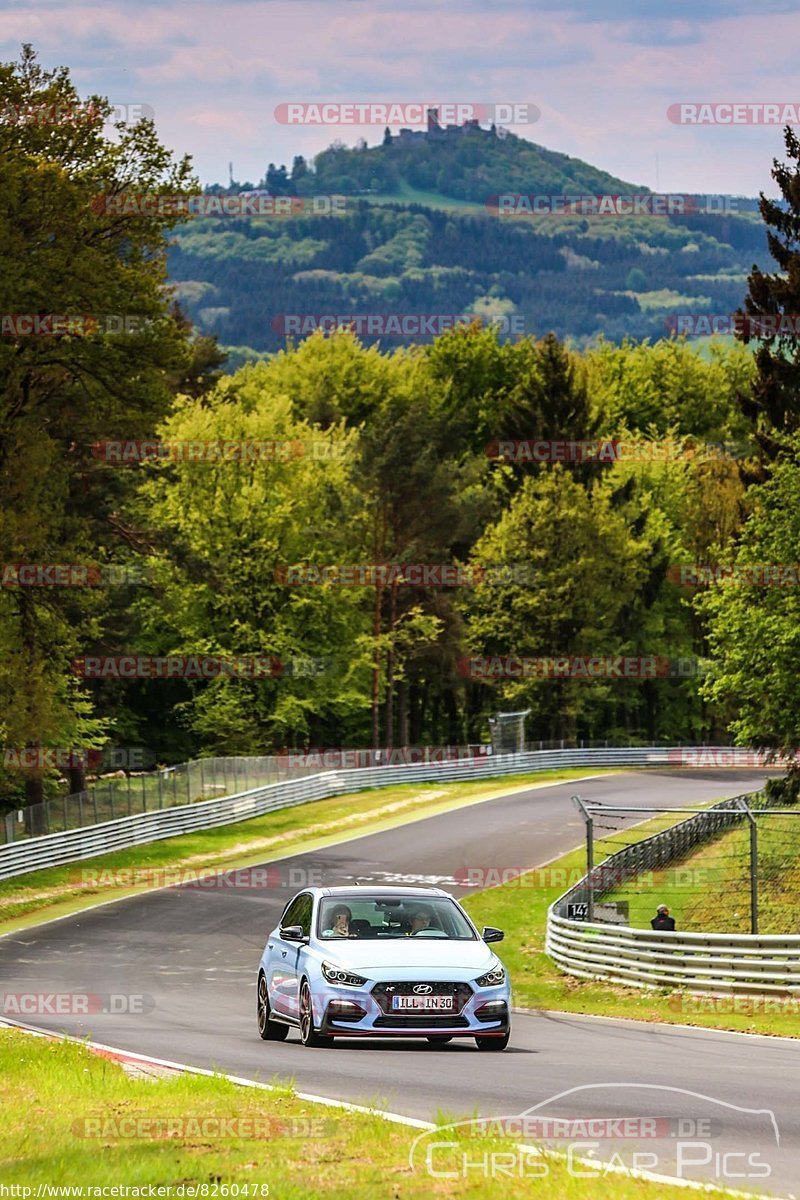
x: 699, y: 962
x: 74, y: 845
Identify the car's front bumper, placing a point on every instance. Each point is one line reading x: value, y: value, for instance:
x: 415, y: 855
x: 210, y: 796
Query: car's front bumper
x: 356, y: 1012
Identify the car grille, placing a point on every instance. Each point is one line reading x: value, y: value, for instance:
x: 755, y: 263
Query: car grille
x: 420, y: 1021
x: 383, y: 992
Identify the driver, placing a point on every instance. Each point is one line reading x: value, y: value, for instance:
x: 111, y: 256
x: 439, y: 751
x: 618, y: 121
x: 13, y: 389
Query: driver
x: 420, y: 919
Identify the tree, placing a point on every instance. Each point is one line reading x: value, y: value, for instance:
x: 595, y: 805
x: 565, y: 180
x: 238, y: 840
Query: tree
x: 224, y: 536
x: 299, y: 168
x: 67, y: 250
x: 754, y: 620
x: 584, y: 567
x: 773, y: 405
x: 277, y: 180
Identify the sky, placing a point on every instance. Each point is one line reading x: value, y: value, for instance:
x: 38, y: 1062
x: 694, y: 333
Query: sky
x: 601, y: 73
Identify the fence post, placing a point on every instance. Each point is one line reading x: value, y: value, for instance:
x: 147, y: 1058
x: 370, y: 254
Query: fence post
x: 753, y: 867
x: 589, y: 857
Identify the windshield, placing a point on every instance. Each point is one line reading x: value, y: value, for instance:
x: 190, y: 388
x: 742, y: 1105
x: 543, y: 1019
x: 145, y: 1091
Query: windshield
x: 388, y: 916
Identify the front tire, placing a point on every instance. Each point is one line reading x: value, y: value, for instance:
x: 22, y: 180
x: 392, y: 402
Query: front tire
x: 493, y: 1043
x: 308, y: 1034
x: 268, y: 1030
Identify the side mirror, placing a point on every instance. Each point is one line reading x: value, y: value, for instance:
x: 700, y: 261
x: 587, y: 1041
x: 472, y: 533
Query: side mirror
x: 293, y: 933
x: 490, y: 934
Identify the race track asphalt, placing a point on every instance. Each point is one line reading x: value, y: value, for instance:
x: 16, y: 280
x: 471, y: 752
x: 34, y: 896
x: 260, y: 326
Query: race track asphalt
x: 193, y: 953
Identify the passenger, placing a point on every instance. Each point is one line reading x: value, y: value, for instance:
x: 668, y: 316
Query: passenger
x: 340, y: 919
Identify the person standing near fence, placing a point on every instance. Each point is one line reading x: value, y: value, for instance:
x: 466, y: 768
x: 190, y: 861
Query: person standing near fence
x: 662, y: 919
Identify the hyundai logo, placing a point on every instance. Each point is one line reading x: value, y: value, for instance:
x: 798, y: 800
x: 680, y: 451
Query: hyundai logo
x: 423, y: 989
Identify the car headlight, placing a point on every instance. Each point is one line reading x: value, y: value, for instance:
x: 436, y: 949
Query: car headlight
x: 334, y: 974
x: 492, y: 978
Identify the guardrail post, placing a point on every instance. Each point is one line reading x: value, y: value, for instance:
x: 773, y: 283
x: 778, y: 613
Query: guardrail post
x: 753, y: 867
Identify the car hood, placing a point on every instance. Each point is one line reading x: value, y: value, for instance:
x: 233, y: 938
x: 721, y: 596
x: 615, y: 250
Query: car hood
x: 408, y: 952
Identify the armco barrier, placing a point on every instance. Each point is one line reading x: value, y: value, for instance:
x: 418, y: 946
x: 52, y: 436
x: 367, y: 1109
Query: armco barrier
x: 76, y: 844
x: 698, y: 962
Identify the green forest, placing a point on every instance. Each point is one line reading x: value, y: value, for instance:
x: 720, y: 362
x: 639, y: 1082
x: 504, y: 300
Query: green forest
x: 260, y: 522
x: 414, y: 227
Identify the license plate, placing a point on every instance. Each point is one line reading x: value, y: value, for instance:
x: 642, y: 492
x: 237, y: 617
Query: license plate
x: 424, y: 1003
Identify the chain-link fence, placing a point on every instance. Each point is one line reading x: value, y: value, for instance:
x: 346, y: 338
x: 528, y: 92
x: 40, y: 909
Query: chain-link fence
x: 125, y: 795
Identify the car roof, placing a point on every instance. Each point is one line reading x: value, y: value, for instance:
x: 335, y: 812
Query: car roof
x: 374, y: 889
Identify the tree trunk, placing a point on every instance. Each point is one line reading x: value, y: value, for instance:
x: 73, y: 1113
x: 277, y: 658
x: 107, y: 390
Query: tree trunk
x: 402, y: 713
x: 389, y: 719
x: 416, y: 711
x: 76, y: 779
x: 376, y: 670
x: 34, y: 805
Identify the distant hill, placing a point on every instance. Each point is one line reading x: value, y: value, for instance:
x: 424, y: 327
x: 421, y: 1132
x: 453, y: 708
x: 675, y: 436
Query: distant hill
x: 416, y: 236
x: 465, y: 163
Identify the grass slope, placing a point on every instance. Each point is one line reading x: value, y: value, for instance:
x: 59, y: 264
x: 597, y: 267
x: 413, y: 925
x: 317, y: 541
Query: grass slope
x: 64, y: 1108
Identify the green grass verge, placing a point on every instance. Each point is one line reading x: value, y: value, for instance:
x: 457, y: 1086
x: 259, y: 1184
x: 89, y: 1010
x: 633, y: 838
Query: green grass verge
x: 57, y: 891
x: 519, y: 907
x: 709, y: 889
x: 64, y: 1108
x: 407, y: 194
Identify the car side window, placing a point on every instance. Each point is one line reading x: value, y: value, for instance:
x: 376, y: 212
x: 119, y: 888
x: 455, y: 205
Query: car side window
x: 303, y: 914
x: 294, y: 913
